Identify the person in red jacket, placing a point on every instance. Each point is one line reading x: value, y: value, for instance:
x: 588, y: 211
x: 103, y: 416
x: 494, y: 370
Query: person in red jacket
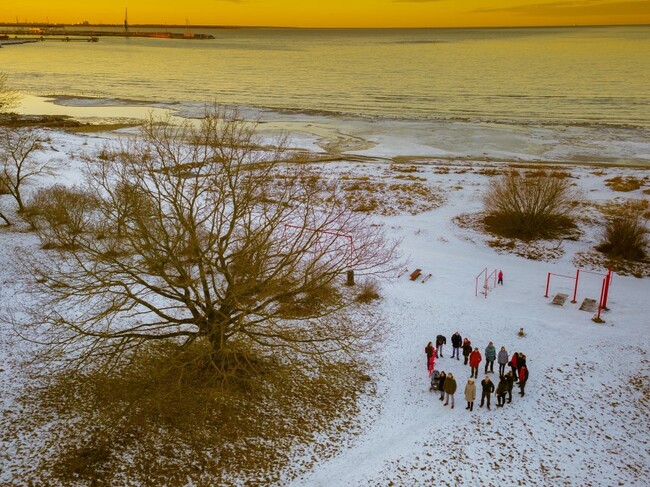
x: 523, y: 378
x: 513, y: 365
x: 474, y: 361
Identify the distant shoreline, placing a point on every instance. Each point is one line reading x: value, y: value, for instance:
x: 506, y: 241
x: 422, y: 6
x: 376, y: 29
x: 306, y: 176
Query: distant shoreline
x: 228, y: 27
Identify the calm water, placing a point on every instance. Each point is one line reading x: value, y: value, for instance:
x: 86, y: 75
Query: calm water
x: 579, y: 75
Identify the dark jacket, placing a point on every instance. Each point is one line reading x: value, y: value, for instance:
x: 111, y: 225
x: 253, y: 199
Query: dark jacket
x: 510, y: 380
x: 467, y: 349
x: 521, y: 361
x: 487, y: 386
x: 441, y: 382
x: 502, y: 388
x: 428, y: 350
x: 450, y: 385
x: 456, y: 340
x: 441, y: 340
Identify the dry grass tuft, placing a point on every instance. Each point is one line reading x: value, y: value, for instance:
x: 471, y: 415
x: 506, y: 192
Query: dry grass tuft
x: 625, y: 184
x: 368, y: 292
x: 369, y: 195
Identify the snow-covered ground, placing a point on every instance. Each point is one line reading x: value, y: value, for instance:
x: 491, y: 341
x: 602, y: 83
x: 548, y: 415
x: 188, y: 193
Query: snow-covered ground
x: 585, y: 417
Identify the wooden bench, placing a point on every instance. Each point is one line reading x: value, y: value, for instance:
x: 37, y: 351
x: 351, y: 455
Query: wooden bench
x: 415, y: 274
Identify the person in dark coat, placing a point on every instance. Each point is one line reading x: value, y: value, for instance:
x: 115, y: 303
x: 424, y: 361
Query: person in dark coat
x: 502, y: 389
x: 502, y: 358
x: 450, y: 389
x: 474, y: 361
x: 490, y: 356
x: 467, y: 349
x: 523, y: 378
x: 456, y: 343
x: 429, y: 350
x: 440, y: 341
x: 511, y: 382
x: 441, y: 384
x: 487, y: 388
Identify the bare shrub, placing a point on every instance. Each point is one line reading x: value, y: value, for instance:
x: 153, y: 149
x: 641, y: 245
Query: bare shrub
x: 625, y: 235
x: 529, y: 206
x: 368, y: 291
x: 60, y: 215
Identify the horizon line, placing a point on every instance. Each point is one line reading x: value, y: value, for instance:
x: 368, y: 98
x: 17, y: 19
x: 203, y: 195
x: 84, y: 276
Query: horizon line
x: 221, y: 26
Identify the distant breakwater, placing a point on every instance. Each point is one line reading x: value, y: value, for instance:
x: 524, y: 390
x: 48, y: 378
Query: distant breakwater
x: 43, y: 34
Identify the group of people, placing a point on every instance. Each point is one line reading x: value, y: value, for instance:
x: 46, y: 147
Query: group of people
x: 445, y: 383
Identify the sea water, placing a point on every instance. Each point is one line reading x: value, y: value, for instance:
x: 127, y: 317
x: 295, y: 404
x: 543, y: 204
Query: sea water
x: 565, y: 75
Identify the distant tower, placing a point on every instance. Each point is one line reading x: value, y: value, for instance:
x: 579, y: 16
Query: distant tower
x: 126, y: 19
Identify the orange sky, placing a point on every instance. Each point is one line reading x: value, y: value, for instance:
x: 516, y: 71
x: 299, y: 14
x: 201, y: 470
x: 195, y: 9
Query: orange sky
x: 334, y: 13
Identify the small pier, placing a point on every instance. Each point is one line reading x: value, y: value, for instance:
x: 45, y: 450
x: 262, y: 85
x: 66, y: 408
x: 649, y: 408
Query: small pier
x: 67, y: 35
x: 12, y: 41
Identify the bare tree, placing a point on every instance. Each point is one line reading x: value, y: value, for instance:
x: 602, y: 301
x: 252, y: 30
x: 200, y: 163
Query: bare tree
x: 203, y: 233
x: 17, y: 164
x: 8, y: 97
x: 529, y: 205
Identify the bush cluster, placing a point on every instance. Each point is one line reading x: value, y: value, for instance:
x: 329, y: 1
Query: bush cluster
x: 626, y: 236
x: 529, y: 206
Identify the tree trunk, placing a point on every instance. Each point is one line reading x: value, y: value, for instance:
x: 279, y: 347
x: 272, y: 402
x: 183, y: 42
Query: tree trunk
x: 19, y: 200
x: 5, y: 219
x: 217, y: 338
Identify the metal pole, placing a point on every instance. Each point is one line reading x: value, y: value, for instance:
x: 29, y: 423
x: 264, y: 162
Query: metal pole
x: 548, y: 283
x: 608, y: 280
x: 602, y: 292
x: 575, y: 289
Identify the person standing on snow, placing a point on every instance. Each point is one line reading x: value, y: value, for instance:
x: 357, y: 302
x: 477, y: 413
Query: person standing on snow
x: 511, y: 382
x: 487, y: 388
x: 456, y: 343
x: 441, y: 384
x: 503, y: 361
x: 502, y: 389
x: 490, y: 356
x: 521, y: 362
x: 467, y: 349
x: 470, y: 394
x: 474, y: 361
x: 440, y: 341
x: 432, y: 363
x: 513, y: 365
x: 450, y: 389
x: 500, y: 278
x: 429, y: 350
x: 523, y: 378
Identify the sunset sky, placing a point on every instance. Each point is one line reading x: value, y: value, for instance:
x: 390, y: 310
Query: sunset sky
x: 333, y: 13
